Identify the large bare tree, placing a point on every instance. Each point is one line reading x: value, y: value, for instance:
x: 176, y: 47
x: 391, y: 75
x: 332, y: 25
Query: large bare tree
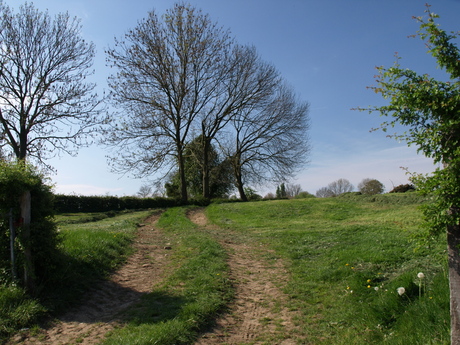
x: 169, y: 69
x: 46, y: 106
x: 269, y: 139
x: 246, y: 82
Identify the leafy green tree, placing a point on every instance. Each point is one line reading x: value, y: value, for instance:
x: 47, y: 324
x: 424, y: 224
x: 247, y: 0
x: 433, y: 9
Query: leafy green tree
x: 371, y: 186
x: 430, y: 109
x: 220, y: 172
x: 281, y: 191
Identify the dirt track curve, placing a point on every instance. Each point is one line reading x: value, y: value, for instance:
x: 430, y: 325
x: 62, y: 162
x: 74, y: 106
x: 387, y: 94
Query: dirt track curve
x: 256, y: 316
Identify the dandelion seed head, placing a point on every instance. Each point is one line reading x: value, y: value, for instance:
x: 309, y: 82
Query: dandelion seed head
x: 420, y: 275
x: 401, y: 291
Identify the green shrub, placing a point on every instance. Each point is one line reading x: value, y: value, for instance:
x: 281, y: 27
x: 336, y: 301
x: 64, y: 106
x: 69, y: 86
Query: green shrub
x: 15, y: 179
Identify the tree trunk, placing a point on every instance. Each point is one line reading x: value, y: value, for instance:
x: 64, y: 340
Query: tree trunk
x: 453, y: 243
x: 239, y: 185
x: 29, y: 274
x: 183, y: 179
x: 205, y: 168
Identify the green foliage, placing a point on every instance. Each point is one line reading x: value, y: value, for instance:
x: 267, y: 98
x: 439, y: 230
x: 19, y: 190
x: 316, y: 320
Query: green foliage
x: 88, y: 204
x: 403, y: 188
x: 15, y: 179
x: 17, y: 310
x: 281, y: 191
x: 304, y: 195
x: 221, y: 175
x: 431, y: 111
x: 371, y: 186
x: 251, y: 194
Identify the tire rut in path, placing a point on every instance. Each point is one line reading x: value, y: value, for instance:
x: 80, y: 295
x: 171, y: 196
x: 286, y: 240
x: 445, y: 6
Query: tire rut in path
x: 258, y: 314
x: 100, y: 311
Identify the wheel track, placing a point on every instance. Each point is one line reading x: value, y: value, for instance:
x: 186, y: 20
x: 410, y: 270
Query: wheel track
x: 101, y: 310
x: 258, y: 314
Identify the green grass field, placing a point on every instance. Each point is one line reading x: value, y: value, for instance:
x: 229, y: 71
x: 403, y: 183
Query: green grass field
x: 346, y: 258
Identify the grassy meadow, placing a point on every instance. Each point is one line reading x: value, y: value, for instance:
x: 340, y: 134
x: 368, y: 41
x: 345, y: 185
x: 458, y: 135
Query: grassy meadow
x: 346, y: 258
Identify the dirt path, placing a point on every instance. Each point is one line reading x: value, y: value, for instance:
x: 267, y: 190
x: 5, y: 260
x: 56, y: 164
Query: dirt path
x: 100, y: 313
x: 258, y: 314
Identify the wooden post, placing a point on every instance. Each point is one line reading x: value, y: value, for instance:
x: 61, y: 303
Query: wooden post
x: 12, y: 237
x: 453, y: 242
x: 29, y: 274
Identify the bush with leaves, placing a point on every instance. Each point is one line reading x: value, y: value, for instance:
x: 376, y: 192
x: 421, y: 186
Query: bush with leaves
x: 371, y: 186
x: 403, y: 188
x: 15, y: 179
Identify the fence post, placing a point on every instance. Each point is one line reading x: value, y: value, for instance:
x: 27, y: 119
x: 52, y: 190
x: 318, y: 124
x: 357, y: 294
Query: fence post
x: 29, y: 274
x: 12, y: 238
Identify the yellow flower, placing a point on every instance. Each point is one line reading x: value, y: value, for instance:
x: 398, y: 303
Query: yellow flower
x: 368, y: 286
x: 368, y: 280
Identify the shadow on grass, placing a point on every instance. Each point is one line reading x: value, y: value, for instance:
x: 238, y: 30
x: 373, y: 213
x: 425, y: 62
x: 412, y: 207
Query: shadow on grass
x: 155, y: 307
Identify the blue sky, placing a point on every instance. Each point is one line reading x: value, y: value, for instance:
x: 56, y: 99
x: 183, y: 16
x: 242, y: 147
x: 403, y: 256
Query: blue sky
x: 326, y: 49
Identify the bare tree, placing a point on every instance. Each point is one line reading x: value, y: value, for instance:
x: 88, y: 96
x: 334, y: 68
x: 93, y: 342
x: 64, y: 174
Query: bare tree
x: 292, y: 190
x: 169, y: 69
x: 324, y: 192
x: 335, y: 188
x: 46, y: 106
x: 269, y: 139
x: 340, y: 186
x: 145, y: 191
x: 245, y: 82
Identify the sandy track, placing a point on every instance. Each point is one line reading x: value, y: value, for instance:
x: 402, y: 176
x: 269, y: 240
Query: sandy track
x: 258, y: 314
x: 100, y: 311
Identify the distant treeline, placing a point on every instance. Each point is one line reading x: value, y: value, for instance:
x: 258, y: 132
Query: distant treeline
x: 82, y: 203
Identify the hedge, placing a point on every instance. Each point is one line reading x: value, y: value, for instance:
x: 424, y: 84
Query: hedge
x: 82, y: 203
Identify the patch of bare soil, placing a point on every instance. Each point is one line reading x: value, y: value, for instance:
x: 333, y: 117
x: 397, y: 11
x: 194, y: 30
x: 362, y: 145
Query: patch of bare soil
x: 258, y: 314
x: 101, y: 310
